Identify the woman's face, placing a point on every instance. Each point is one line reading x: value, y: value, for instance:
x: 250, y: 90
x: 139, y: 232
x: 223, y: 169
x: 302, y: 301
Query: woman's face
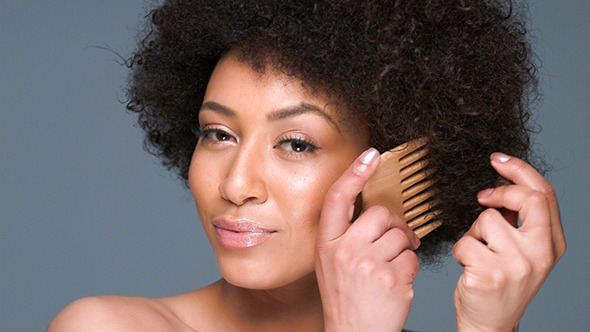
x: 268, y: 152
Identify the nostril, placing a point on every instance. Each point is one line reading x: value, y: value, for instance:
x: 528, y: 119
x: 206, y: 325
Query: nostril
x: 240, y: 189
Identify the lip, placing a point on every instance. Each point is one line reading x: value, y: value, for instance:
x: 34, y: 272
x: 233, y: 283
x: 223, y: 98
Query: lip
x: 242, y: 233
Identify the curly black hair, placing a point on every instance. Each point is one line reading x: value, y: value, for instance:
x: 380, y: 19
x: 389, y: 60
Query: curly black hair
x: 457, y: 71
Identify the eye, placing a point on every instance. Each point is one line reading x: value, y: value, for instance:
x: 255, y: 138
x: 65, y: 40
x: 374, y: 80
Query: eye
x: 296, y: 146
x: 215, y: 136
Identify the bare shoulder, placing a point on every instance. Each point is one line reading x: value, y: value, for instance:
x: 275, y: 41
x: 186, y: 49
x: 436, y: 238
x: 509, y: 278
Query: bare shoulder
x: 200, y: 309
x: 117, y: 314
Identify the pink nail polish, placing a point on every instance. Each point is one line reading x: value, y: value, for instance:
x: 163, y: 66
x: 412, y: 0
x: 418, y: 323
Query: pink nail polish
x: 500, y: 157
x: 369, y: 156
x: 485, y: 193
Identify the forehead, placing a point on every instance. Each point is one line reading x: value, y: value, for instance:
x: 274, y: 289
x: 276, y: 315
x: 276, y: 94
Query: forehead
x: 251, y: 93
x: 235, y: 81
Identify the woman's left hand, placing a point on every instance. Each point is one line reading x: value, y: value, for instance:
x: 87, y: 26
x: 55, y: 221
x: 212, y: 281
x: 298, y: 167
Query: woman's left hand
x: 366, y: 269
x: 506, y: 265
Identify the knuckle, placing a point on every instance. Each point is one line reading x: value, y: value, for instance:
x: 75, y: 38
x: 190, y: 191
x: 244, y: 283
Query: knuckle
x: 388, y: 280
x: 333, y: 196
x: 399, y: 236
x: 489, y: 280
x: 472, y: 283
x: 546, y: 262
x: 409, y: 258
x: 522, y: 270
x: 379, y: 211
x: 488, y: 215
x: 343, y: 256
x: 412, y: 262
x: 521, y: 166
x: 391, y: 282
x: 368, y: 267
x: 458, y: 247
x: 537, y: 198
x: 462, y: 245
x: 498, y: 279
x: 547, y: 188
x: 488, y: 218
x: 404, y: 293
x: 560, y: 249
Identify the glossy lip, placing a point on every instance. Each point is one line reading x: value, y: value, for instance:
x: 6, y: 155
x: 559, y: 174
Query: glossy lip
x: 242, y: 233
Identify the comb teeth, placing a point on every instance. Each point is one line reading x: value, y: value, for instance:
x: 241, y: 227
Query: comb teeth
x: 403, y: 184
x: 422, y: 219
x: 424, y: 230
x: 416, y: 188
x: 413, y: 178
x: 413, y: 168
x: 413, y: 155
x: 418, y: 210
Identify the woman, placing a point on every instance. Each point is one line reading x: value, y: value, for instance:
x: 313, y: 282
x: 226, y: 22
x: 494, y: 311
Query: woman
x: 274, y: 114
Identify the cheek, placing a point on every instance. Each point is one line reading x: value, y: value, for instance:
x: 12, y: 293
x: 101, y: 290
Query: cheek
x: 202, y: 183
x: 309, y: 196
x: 305, y: 196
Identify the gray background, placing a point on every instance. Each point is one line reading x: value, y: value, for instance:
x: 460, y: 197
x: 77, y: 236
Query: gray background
x: 85, y: 211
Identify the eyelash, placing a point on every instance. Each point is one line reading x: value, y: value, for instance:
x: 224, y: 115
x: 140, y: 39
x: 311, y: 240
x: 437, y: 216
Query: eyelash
x: 308, y: 145
x: 203, y: 133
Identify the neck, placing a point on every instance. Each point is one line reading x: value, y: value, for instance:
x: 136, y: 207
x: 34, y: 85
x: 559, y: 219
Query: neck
x: 297, y: 306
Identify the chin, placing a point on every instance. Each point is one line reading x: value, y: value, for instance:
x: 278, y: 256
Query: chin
x: 253, y: 276
x: 255, y: 282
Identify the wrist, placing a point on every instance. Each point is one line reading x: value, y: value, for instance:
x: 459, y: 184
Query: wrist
x: 466, y: 326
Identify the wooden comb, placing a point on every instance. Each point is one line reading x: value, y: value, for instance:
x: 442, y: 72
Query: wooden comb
x: 402, y: 183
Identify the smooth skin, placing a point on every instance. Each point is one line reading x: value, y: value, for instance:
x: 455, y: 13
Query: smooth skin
x: 506, y: 265
x: 318, y: 270
x: 365, y: 269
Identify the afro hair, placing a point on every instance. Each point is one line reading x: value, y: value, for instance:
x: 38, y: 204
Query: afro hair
x: 457, y: 71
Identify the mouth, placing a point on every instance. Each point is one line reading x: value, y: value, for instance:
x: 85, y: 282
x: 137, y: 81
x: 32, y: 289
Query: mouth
x: 242, y: 233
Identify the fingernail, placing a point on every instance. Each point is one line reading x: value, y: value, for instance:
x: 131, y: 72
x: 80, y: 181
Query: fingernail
x: 500, y: 157
x: 416, y: 241
x: 369, y: 156
x: 485, y: 193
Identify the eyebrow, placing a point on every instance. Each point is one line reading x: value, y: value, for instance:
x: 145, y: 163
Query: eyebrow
x: 283, y: 113
x: 213, y: 106
x: 299, y: 109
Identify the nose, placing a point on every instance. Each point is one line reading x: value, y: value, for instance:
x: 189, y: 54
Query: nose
x: 244, y: 181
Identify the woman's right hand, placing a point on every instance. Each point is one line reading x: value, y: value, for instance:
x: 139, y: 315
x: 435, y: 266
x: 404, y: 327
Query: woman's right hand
x: 365, y: 269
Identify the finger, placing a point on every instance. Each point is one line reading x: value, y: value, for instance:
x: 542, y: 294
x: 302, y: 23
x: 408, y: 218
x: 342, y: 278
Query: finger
x: 338, y: 205
x: 520, y: 172
x: 391, y: 244
x: 469, y: 251
x: 407, y: 261
x: 376, y: 221
x: 532, y: 206
x: 491, y: 229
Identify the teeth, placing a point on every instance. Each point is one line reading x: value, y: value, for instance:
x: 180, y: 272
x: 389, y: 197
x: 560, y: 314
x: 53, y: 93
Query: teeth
x: 411, y: 180
x: 412, y: 157
x: 403, y: 183
x: 408, y: 170
x: 415, y: 200
x: 416, y: 189
x: 422, y: 219
x: 422, y: 231
x: 418, y: 210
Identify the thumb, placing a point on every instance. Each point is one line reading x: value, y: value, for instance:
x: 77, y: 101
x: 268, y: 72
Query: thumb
x: 338, y: 207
